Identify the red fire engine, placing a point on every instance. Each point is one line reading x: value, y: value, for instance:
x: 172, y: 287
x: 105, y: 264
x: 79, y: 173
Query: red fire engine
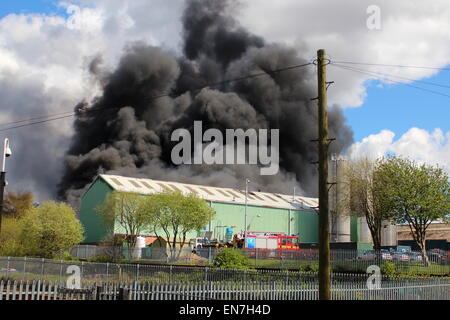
x: 271, y: 244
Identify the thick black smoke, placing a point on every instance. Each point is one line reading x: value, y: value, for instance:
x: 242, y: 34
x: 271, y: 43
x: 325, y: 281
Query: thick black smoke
x: 127, y: 129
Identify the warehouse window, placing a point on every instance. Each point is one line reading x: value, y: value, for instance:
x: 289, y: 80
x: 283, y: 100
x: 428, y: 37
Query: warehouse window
x: 222, y: 192
x: 207, y: 191
x: 164, y: 187
x: 147, y: 185
x: 274, y: 200
x: 256, y: 196
x: 248, y: 194
x: 134, y: 183
x: 174, y: 187
x: 191, y: 189
x: 116, y: 181
x: 234, y: 194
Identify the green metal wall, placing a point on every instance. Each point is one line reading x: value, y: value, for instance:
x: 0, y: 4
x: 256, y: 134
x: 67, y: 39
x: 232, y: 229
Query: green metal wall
x: 302, y: 223
x: 94, y: 228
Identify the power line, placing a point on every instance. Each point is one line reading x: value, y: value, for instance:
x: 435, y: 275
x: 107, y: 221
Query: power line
x: 392, y: 65
x: 37, y: 118
x: 67, y: 114
x: 396, y: 76
x: 388, y: 79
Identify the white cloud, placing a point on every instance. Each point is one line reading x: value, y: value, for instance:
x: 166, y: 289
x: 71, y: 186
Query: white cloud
x: 43, y: 70
x: 413, y: 32
x: 43, y: 58
x: 432, y: 148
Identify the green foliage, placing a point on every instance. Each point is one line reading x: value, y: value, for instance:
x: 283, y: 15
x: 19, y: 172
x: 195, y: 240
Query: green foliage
x: 49, y: 229
x: 10, y: 242
x: 229, y: 258
x: 101, y: 258
x: 66, y: 256
x: 415, y: 191
x: 16, y: 204
x: 312, y: 267
x: 174, y: 215
x: 364, y: 196
x: 126, y: 210
x: 416, y: 194
x: 388, y: 268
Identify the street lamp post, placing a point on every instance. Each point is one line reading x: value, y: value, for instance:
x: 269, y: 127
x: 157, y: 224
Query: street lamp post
x: 247, y: 181
x: 6, y: 153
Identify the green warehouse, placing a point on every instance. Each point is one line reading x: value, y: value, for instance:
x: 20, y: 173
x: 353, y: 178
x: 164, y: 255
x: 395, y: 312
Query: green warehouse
x: 266, y: 212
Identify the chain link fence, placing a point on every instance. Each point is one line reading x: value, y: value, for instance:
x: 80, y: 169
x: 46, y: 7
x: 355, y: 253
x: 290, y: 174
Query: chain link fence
x: 306, y: 259
x: 156, y: 282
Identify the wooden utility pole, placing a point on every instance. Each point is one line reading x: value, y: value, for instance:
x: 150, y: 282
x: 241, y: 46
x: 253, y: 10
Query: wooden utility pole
x: 324, y: 226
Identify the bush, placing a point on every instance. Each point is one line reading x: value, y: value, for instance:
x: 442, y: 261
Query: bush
x: 310, y: 268
x: 388, y: 268
x: 49, y: 229
x: 229, y: 258
x: 66, y: 256
x: 100, y: 258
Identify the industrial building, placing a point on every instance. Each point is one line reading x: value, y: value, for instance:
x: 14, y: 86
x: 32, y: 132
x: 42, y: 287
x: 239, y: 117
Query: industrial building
x: 266, y: 212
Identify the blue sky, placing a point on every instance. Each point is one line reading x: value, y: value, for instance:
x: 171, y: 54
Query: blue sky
x: 38, y: 56
x: 393, y: 107
x: 30, y: 6
x: 399, y: 107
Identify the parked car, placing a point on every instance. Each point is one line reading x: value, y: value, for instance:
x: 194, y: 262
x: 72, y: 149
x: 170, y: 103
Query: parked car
x: 400, y: 256
x: 440, y: 257
x: 415, y: 256
x: 372, y: 255
x: 8, y: 270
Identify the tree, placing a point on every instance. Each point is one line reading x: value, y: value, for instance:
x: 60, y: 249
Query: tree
x: 49, y: 229
x: 364, y: 196
x: 126, y: 210
x: 16, y: 204
x: 175, y: 215
x: 10, y: 242
x: 417, y: 194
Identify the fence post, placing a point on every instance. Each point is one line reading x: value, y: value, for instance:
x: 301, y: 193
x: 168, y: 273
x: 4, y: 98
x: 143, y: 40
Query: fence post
x: 81, y: 273
x: 206, y: 274
x: 124, y: 294
x: 170, y: 274
x: 209, y: 255
x: 107, y: 270
x: 43, y: 266
x: 98, y: 293
x: 60, y: 270
x: 24, y: 266
x: 137, y: 272
x: 7, y: 267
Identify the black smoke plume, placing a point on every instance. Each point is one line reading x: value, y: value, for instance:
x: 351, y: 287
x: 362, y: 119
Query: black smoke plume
x: 152, y: 92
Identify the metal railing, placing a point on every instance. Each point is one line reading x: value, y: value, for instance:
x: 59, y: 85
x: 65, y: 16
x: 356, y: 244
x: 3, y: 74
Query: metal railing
x: 305, y: 259
x: 344, y: 287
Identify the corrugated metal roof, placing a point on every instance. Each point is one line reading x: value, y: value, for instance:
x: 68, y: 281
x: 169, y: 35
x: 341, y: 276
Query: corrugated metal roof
x: 215, y: 194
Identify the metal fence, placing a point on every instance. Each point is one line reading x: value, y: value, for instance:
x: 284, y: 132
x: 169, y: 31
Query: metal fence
x: 344, y: 287
x: 305, y: 259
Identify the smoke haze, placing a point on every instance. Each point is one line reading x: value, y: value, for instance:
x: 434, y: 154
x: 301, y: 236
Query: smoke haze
x: 152, y: 92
